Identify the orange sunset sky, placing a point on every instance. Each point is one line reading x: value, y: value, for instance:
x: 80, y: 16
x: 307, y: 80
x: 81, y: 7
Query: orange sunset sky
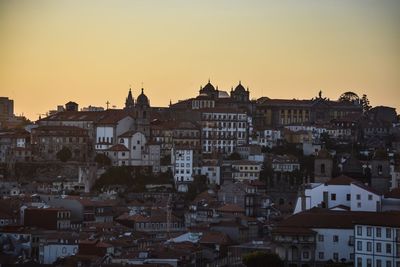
x: 91, y: 51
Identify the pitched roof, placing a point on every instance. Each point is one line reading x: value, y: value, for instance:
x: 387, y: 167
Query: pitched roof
x: 229, y: 207
x: 394, y: 193
x: 118, y: 147
x: 342, y: 180
x: 215, y: 238
x: 337, y: 219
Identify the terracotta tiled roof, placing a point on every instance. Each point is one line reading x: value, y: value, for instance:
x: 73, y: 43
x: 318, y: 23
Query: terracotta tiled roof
x: 342, y: 180
x: 230, y: 208
x: 323, y: 218
x: 215, y: 238
x: 394, y: 193
x: 118, y: 147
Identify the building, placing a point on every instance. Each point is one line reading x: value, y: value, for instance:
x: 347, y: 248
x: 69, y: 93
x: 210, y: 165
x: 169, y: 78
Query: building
x: 47, y: 218
x: 249, y: 196
x: 47, y: 141
x: 71, y: 106
x: 223, y: 130
x: 6, y: 111
x: 377, y: 240
x: 343, y: 192
x: 317, y: 236
x: 15, y: 146
x: 285, y: 163
x: 182, y: 160
x: 246, y: 170
x: 57, y: 245
x: 278, y: 112
x: 323, y: 166
x: 267, y: 138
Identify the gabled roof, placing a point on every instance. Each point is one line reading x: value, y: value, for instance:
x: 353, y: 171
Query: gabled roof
x: 341, y: 180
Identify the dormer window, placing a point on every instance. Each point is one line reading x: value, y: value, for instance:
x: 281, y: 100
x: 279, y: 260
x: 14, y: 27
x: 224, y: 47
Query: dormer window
x: 121, y: 141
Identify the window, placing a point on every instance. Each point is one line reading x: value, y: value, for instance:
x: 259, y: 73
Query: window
x: 359, y: 230
x: 358, y: 204
x: 369, y: 246
x: 359, y: 245
x: 378, y: 232
x: 388, y: 264
x: 378, y: 263
x: 369, y: 231
x: 64, y: 250
x: 359, y: 262
x: 369, y: 263
x: 348, y: 197
x: 321, y: 238
x: 333, y: 196
x: 378, y: 247
x: 306, y: 254
x: 358, y: 197
x: 321, y: 255
x: 388, y: 248
x: 336, y: 256
x: 369, y: 197
x: 335, y: 238
x: 388, y: 233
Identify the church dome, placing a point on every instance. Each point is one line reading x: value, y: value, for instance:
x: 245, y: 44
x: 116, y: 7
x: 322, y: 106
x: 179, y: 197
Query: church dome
x: 240, y: 88
x: 142, y: 100
x: 209, y: 88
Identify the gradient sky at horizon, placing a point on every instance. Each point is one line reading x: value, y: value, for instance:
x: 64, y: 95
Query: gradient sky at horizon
x: 90, y: 52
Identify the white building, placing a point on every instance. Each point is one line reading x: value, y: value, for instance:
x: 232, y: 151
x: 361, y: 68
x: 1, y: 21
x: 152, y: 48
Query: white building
x: 182, y: 163
x: 318, y: 235
x: 339, y: 191
x: 133, y: 149
x: 109, y: 128
x: 377, y: 241
x: 223, y: 130
x: 212, y: 170
x: 267, y: 138
x: 395, y: 174
x: 285, y: 163
x: 56, y: 247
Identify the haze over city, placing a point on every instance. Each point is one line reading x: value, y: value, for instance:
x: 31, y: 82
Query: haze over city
x: 91, y: 52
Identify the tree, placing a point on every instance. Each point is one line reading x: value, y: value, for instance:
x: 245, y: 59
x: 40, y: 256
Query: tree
x: 102, y: 160
x: 198, y: 185
x: 365, y: 103
x: 262, y: 259
x: 64, y: 154
x: 115, y: 176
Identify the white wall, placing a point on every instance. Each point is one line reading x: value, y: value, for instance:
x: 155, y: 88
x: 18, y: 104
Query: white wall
x: 315, y: 196
x: 373, y: 238
x: 368, y: 201
x: 53, y: 251
x: 328, y: 246
x: 104, y: 132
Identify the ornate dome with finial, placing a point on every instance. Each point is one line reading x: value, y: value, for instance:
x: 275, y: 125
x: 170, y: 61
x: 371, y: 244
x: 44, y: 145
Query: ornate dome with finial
x: 142, y: 100
x: 208, y: 88
x: 240, y: 88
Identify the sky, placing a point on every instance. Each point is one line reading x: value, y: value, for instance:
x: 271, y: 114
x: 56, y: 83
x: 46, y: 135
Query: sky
x: 91, y: 52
